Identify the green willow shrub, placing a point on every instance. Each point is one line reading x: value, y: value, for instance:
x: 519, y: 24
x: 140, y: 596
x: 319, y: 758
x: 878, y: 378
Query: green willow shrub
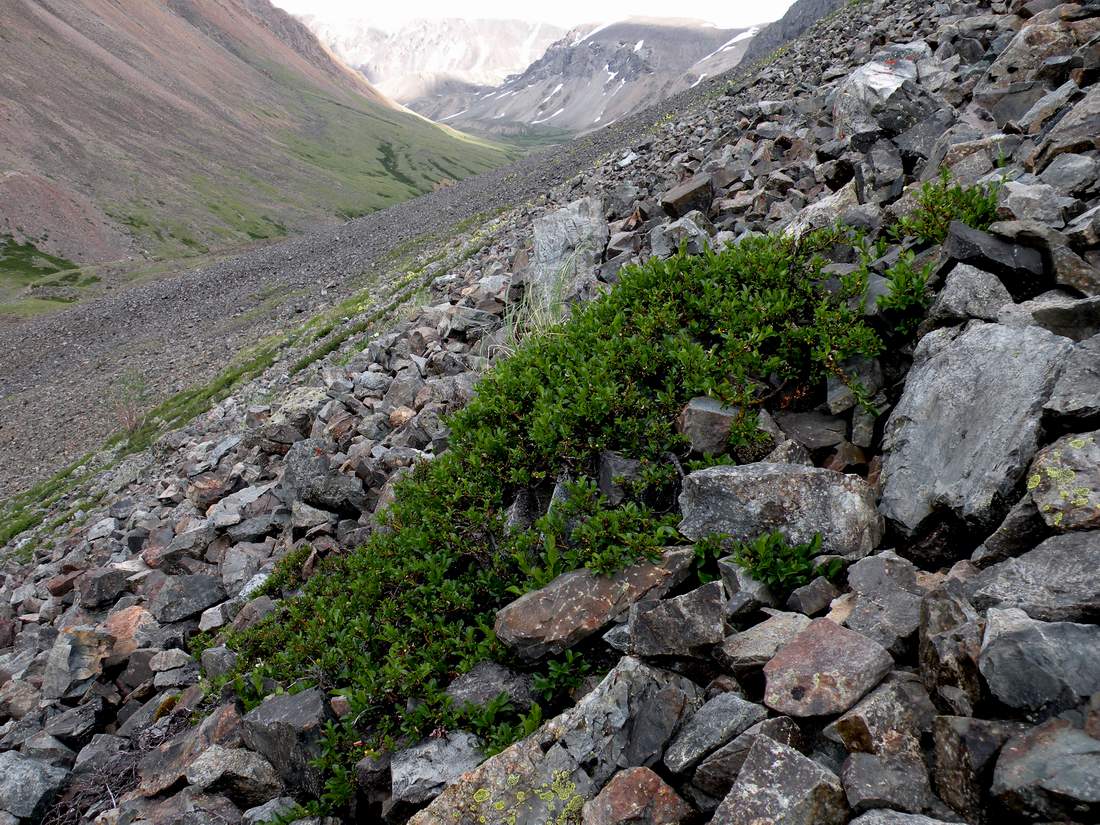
x: 389, y: 626
x: 940, y: 201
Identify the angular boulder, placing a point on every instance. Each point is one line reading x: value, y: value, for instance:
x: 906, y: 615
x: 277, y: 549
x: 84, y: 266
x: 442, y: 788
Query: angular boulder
x: 288, y: 730
x: 939, y: 451
x: 1032, y: 665
x: 636, y: 796
x: 181, y: 597
x: 716, y: 723
x: 824, y: 670
x: 966, y: 750
x: 626, y: 721
x: 753, y: 499
x: 1064, y: 482
x: 1057, y: 581
x: 579, y: 603
x: 569, y: 244
x: 27, y: 786
x: 245, y: 777
x: 1051, y: 772
x: 1077, y: 392
x: 686, y: 625
x: 780, y: 786
x: 419, y: 773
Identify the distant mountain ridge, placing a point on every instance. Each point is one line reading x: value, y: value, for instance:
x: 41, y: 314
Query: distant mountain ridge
x: 800, y: 16
x: 409, y: 61
x: 137, y: 129
x: 592, y: 76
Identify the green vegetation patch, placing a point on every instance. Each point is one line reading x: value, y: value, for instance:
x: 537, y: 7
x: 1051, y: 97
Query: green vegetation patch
x: 399, y: 618
x: 25, y: 264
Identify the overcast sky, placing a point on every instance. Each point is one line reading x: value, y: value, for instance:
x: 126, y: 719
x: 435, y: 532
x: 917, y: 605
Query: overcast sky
x: 567, y: 13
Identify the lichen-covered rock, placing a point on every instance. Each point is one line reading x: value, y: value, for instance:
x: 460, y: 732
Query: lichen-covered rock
x: 1064, y: 482
x: 753, y: 499
x: 939, y: 452
x: 626, y: 721
x: 824, y: 670
x: 891, y: 718
x: 577, y: 604
x: 780, y: 786
x: 1056, y: 581
x: 716, y: 774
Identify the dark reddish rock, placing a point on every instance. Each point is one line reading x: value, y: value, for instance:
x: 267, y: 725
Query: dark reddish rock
x: 636, y: 796
x: 965, y: 752
x: 891, y: 718
x: 949, y: 642
x: 580, y: 603
x: 1050, y: 772
x: 824, y: 670
x: 695, y: 193
x: 898, y: 781
x: 686, y: 625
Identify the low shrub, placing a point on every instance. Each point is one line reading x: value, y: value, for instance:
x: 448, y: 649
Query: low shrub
x: 941, y: 201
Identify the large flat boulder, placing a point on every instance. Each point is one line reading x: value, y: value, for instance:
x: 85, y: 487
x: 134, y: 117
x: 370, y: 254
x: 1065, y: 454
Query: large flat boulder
x: 1057, y: 581
x: 569, y: 243
x: 753, y: 499
x: 626, y: 721
x: 941, y: 454
x: 579, y: 603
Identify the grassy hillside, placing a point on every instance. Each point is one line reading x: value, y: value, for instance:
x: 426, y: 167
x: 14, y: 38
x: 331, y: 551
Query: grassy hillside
x: 150, y: 131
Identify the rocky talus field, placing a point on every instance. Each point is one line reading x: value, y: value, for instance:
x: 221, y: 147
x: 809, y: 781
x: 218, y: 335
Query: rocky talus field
x: 750, y: 476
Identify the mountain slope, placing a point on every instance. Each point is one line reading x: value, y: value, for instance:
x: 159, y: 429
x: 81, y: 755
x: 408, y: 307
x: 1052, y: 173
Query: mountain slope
x: 591, y: 77
x: 130, y: 128
x: 408, y: 62
x: 799, y: 17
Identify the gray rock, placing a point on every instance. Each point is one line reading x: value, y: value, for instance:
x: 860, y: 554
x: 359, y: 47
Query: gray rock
x: 75, y: 725
x: 939, y: 452
x: 897, y: 780
x: 823, y: 212
x: 47, y: 749
x: 288, y: 730
x: 1077, y: 392
x: 969, y: 293
x: 813, y: 598
x: 1059, y: 313
x: 716, y: 774
x: 181, y: 597
x: 27, y: 786
x: 245, y: 777
x: 695, y: 193
x: 754, y: 499
x: 682, y: 626
x: 949, y: 642
x: 568, y: 246
x: 103, y: 748
x: 887, y: 604
x: 1064, y: 482
x: 753, y: 648
x: 713, y: 725
x: 746, y: 593
x: 102, y: 586
x: 884, y: 817
x: 1056, y: 581
x: 706, y: 423
x: 693, y: 231
x: 813, y: 430
x: 883, y: 96
x: 780, y: 786
x: 1033, y: 665
x: 824, y: 670
x: 486, y: 681
x: 269, y: 811
x: 421, y: 772
x: 1036, y: 202
x: 580, y: 603
x: 1050, y: 772
x: 1070, y: 269
x: 966, y: 750
x: 628, y: 719
x: 1078, y: 131
x: 1072, y: 174
x: 839, y: 396
x: 1020, y: 268
x: 616, y: 471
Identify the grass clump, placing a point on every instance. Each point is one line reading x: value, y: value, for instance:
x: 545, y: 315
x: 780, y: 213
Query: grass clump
x: 390, y: 625
x: 941, y: 201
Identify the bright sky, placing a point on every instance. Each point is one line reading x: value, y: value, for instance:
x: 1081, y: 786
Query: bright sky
x: 566, y: 13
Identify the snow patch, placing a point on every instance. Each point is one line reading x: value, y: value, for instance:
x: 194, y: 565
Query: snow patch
x: 697, y: 82
x: 543, y: 120
x: 729, y: 44
x: 638, y: 46
x: 456, y: 114
x: 554, y: 92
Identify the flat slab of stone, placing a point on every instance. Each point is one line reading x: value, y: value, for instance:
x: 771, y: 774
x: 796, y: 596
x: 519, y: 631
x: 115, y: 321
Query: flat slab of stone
x: 579, y: 603
x: 1057, y: 581
x: 824, y: 670
x: 753, y: 499
x: 1051, y: 772
x: 939, y: 450
x: 716, y: 723
x: 755, y: 647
